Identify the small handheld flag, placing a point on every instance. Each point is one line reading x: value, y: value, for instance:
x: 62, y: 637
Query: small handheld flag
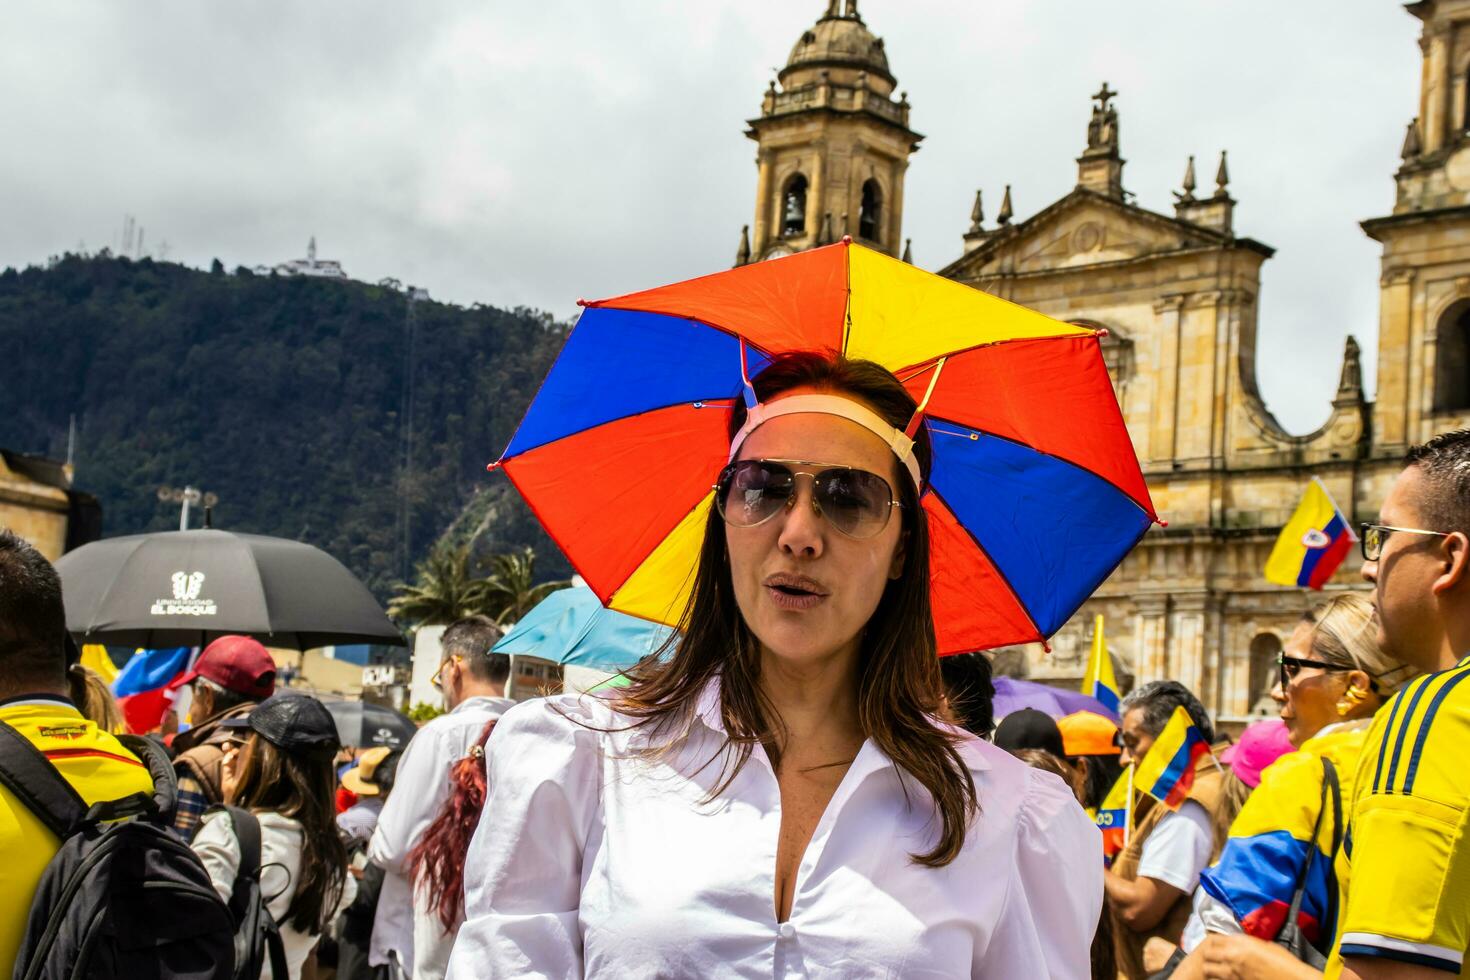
x: 1112, y: 816
x: 1312, y: 544
x: 146, y: 685
x: 1099, y: 681
x: 1167, y: 771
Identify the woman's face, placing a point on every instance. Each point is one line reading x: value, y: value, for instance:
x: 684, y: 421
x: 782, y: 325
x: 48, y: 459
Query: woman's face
x: 805, y: 589
x: 1309, y: 702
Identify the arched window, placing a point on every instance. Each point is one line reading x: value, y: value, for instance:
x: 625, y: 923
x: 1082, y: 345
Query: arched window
x: 1265, y: 648
x: 793, y: 207
x: 870, y: 214
x: 1452, y: 360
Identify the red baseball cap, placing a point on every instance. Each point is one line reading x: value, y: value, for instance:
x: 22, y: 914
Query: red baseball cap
x: 238, y: 664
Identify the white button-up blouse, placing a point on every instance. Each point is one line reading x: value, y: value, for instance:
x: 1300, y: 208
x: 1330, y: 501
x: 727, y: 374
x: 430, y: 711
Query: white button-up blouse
x: 595, y: 858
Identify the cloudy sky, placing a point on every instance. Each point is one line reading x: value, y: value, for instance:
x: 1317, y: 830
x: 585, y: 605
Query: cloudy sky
x: 532, y: 153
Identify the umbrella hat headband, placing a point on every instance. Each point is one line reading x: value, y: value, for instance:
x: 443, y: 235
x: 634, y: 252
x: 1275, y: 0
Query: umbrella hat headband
x: 845, y: 408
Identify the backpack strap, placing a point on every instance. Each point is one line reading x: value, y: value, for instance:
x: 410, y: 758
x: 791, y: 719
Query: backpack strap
x: 27, y: 773
x: 247, y: 835
x: 160, y: 767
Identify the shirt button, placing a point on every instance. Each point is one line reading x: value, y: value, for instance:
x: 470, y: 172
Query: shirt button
x: 787, y: 930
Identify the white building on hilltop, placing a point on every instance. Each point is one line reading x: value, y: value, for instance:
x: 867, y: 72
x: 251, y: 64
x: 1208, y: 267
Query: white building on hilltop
x: 309, y: 266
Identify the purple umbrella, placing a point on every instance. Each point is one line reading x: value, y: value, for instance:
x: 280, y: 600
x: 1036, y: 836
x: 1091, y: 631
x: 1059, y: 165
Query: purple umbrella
x: 1013, y: 695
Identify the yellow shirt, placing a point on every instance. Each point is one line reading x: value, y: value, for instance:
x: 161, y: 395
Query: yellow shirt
x: 1405, y: 870
x: 98, y: 768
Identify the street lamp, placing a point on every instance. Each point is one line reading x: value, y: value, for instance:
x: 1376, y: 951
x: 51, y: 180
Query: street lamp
x: 187, y: 497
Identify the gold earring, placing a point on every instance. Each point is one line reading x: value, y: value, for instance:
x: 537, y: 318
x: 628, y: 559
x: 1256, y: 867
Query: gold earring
x: 1350, y: 699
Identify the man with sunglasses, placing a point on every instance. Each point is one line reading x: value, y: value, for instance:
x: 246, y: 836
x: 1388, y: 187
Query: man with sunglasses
x: 472, y: 680
x: 1406, y: 871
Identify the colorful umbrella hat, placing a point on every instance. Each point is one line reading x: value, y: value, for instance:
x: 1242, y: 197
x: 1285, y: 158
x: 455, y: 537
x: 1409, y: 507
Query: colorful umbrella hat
x: 1035, y: 494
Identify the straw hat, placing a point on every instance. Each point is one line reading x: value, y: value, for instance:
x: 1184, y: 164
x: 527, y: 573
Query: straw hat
x: 362, y: 779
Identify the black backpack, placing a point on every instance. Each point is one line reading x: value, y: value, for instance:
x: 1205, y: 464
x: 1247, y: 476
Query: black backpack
x: 124, y: 898
x: 257, y: 936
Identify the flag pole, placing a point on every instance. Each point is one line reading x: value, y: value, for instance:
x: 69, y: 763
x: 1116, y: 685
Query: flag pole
x: 1128, y: 821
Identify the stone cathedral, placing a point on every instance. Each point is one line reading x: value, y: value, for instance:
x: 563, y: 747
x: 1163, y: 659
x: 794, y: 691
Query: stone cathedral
x: 1178, y: 295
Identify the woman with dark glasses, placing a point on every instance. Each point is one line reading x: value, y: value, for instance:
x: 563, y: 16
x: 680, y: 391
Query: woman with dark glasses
x: 1332, y: 679
x: 776, y: 797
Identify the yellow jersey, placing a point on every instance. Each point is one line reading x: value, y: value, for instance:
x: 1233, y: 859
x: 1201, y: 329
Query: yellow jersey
x: 1405, y: 866
x: 98, y: 768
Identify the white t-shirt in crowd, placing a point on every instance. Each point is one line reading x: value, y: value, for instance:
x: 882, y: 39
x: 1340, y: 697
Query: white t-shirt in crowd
x: 280, y: 866
x: 596, y: 860
x: 1179, y: 847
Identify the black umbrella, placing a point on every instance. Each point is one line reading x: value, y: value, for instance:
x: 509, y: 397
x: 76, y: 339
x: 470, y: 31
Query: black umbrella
x: 363, y: 725
x: 184, y: 588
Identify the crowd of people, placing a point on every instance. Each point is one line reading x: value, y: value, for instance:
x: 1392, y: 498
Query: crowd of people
x: 797, y: 786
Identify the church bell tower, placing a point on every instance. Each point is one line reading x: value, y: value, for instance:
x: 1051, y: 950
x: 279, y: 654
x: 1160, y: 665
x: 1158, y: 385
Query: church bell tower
x: 833, y: 144
x: 1424, y: 299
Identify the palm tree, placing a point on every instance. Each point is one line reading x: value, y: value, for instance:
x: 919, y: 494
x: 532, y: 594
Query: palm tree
x: 512, y: 587
x: 445, y: 589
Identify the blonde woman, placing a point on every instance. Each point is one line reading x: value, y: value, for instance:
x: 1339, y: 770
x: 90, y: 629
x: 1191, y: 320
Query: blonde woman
x: 1333, y: 678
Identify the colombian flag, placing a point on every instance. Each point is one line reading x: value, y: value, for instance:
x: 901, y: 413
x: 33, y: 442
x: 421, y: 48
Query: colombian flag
x: 1099, y: 681
x: 1167, y: 771
x: 146, y: 686
x: 1313, y: 543
x: 1112, y: 816
x: 1272, y: 842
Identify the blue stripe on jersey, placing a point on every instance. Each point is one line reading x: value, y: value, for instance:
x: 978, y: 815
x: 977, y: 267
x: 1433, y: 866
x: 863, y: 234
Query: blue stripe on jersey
x: 1401, y: 955
x: 1398, y: 745
x: 1393, y: 716
x: 1424, y: 728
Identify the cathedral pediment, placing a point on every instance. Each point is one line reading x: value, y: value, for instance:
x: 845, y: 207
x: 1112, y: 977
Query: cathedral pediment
x: 1082, y: 229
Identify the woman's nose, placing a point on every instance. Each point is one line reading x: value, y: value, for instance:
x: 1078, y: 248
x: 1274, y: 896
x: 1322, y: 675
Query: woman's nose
x: 1278, y: 692
x: 801, y: 527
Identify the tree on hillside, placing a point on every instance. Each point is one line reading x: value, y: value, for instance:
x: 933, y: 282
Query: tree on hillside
x: 513, y: 587
x: 449, y: 585
x: 445, y: 589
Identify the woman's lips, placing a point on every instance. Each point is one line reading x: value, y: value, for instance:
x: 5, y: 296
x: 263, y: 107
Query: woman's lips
x: 788, y: 595
x: 795, y: 600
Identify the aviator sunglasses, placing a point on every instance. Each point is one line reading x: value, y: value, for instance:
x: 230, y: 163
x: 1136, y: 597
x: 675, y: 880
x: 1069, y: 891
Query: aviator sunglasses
x: 855, y: 502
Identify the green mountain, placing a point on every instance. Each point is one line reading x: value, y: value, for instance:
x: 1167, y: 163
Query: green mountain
x: 284, y: 396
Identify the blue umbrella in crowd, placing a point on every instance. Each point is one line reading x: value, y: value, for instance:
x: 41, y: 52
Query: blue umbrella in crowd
x: 571, y: 626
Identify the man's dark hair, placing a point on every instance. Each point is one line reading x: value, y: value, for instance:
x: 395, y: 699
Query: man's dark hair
x: 971, y: 691
x: 471, y: 639
x: 1445, y: 463
x: 32, y: 618
x: 1158, y: 699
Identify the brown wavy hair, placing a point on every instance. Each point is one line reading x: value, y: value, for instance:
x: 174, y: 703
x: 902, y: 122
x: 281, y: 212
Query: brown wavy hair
x: 301, y: 786
x: 899, y: 683
x: 436, y: 862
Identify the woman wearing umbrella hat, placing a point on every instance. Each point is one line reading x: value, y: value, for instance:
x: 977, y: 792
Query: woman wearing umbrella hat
x: 777, y: 798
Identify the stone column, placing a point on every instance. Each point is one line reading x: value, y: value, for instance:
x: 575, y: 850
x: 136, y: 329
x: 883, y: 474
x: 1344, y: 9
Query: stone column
x: 1160, y: 447
x: 893, y: 244
x: 1436, y: 82
x: 816, y: 203
x: 1395, y: 324
x: 766, y: 210
x: 1152, y: 630
x: 1197, y: 393
x: 1188, y: 646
